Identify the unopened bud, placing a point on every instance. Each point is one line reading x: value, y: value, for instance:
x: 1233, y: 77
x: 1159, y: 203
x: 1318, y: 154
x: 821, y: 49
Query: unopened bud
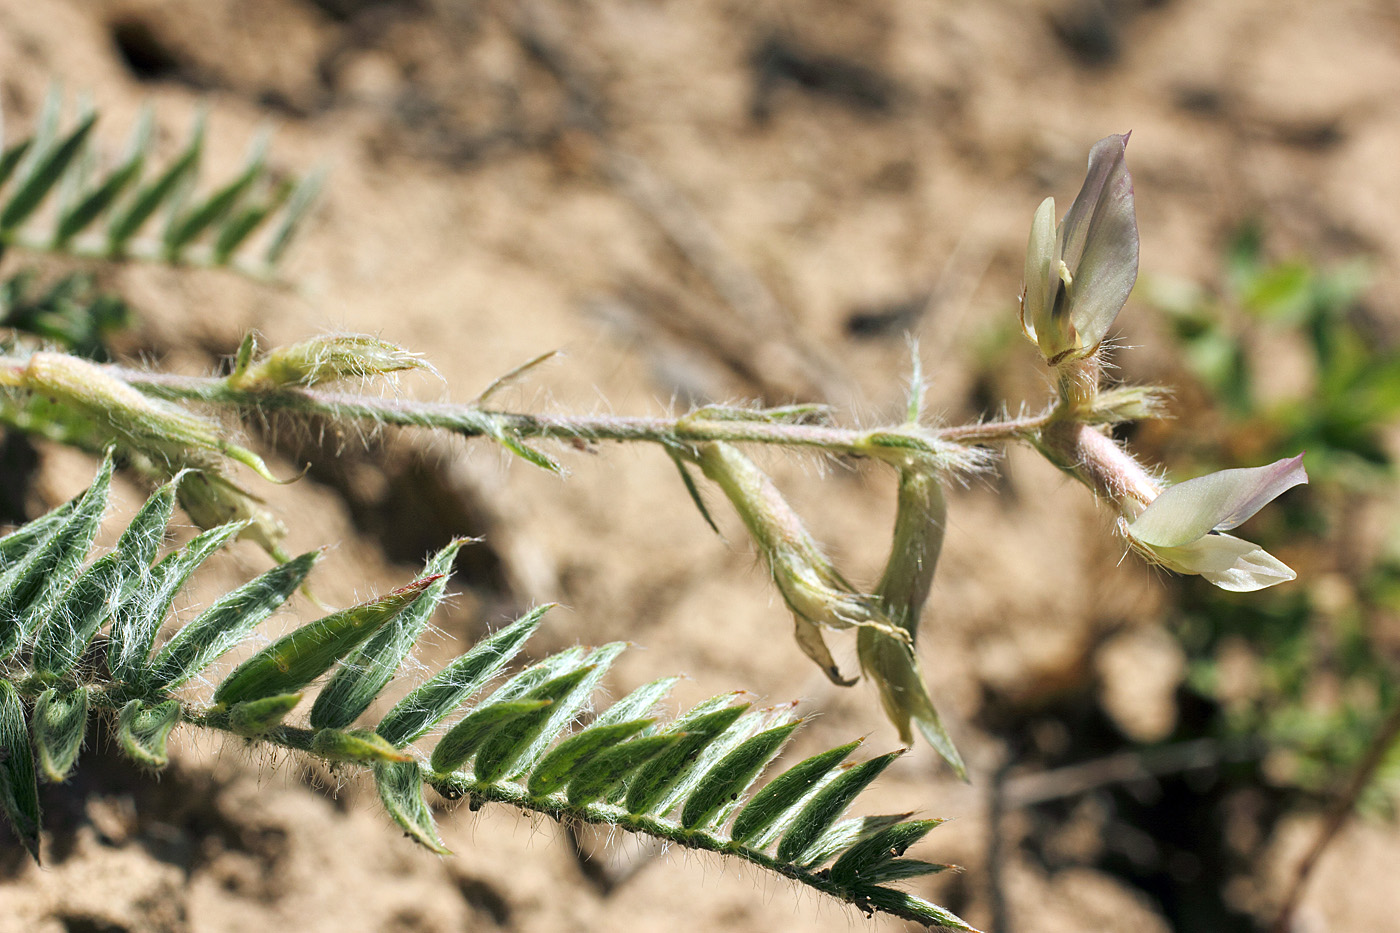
x: 211, y: 499
x: 891, y: 662
x: 162, y: 431
x: 322, y: 359
x: 809, y: 584
x: 1078, y: 275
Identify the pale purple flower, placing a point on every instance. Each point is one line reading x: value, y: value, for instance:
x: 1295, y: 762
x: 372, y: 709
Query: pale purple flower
x: 1182, y: 528
x: 1078, y: 275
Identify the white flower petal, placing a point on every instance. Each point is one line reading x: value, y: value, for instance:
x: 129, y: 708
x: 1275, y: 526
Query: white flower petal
x: 1216, y: 501
x: 1099, y: 243
x: 1228, y: 562
x: 1040, y: 257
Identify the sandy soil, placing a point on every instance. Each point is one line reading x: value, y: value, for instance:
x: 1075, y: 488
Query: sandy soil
x: 698, y: 201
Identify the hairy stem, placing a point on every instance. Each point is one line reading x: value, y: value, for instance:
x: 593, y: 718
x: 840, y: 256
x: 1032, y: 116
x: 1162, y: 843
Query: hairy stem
x: 913, y: 441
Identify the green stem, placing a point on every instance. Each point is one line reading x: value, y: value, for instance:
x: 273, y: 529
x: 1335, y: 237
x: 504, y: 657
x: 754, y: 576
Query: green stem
x: 472, y: 421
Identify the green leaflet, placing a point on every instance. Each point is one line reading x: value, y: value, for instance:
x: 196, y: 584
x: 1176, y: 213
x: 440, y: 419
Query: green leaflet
x: 504, y: 748
x: 298, y: 658
x: 463, y: 739
x: 19, y: 787
x: 839, y: 837
x: 426, y: 706
x: 761, y: 819
x: 356, y: 745
x: 142, y: 730
x: 862, y: 862
x: 226, y: 623
x: 401, y: 791
x: 77, y: 218
x: 517, y: 757
x: 31, y: 587
x: 25, y: 538
x: 65, y: 634
x: 562, y: 762
x: 11, y: 158
x: 637, y: 703
x: 655, y: 779
x: 298, y: 204
x: 183, y: 229
x: 258, y: 717
x: 241, y: 225
x: 865, y: 860
x: 607, y: 770
x: 134, y: 630
x: 45, y: 174
x: 726, y: 781
x: 60, y: 723
x: 126, y: 223
x: 827, y: 805
x: 370, y: 667
x: 904, y: 904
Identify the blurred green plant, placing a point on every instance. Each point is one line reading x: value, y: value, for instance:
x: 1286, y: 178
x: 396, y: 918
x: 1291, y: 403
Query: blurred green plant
x: 1304, y: 669
x: 70, y: 312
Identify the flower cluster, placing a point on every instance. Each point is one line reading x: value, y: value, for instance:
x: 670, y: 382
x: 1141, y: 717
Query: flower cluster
x: 1078, y: 277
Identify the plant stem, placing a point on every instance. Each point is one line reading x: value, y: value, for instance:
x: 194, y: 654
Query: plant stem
x: 906, y: 441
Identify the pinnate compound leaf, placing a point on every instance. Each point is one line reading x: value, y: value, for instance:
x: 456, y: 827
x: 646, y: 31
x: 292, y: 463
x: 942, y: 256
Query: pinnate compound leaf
x: 225, y: 623
x: 60, y: 723
x: 370, y: 667
x: 299, y: 657
x: 442, y: 693
x: 827, y: 805
x: 725, y: 782
x: 401, y: 790
x: 19, y: 785
x: 762, y: 818
x: 143, y: 729
x: 31, y: 587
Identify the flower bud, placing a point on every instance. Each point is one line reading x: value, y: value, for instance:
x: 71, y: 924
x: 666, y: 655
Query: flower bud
x: 809, y: 584
x: 891, y: 663
x: 166, y: 433
x: 321, y: 359
x: 1078, y: 275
